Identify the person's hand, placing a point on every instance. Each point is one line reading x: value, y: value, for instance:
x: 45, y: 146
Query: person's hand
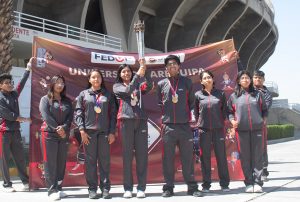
x: 29, y: 64
x: 111, y: 138
x: 234, y: 123
x: 23, y: 119
x: 85, y: 138
x: 61, y: 132
x: 141, y: 71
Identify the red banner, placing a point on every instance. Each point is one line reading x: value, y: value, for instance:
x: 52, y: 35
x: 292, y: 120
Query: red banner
x: 74, y: 63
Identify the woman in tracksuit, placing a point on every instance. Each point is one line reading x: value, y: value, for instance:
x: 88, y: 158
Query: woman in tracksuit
x: 95, y: 116
x: 132, y: 121
x: 57, y: 115
x: 210, y: 113
x: 247, y: 113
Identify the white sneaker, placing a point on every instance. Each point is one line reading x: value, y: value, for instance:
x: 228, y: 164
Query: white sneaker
x: 62, y: 194
x: 249, y: 189
x: 54, y: 196
x: 257, y: 189
x: 127, y: 194
x: 8, y: 189
x: 25, y: 187
x: 264, y: 178
x: 140, y: 194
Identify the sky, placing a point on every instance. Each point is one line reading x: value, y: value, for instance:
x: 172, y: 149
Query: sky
x: 283, y: 67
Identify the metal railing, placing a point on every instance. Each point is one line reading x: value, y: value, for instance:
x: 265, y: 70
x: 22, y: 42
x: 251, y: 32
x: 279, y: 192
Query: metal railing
x: 64, y: 30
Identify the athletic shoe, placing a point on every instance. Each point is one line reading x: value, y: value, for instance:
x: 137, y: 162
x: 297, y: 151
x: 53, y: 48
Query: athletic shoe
x: 140, y: 194
x: 205, y: 190
x: 8, y: 189
x: 92, y: 194
x: 62, y: 194
x: 25, y: 187
x: 249, y: 189
x: 167, y: 193
x: 257, y: 189
x: 225, y: 189
x: 127, y: 194
x: 195, y: 193
x: 105, y: 194
x: 54, y: 196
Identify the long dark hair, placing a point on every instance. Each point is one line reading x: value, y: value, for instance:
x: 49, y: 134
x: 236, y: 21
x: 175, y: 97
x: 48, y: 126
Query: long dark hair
x: 102, y: 79
x: 51, y: 89
x: 201, y: 77
x: 238, y: 88
x: 121, y: 67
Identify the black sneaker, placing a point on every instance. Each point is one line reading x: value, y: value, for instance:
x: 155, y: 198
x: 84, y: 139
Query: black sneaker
x: 195, y: 193
x: 105, y: 194
x: 167, y: 193
x: 92, y: 194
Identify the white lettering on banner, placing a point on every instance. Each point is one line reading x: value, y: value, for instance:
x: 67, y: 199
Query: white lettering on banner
x: 102, y: 58
x: 159, y: 60
x: 154, y: 73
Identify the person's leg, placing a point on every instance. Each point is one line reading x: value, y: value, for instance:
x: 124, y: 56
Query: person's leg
x: 141, y: 153
x: 245, y: 156
x: 220, y: 152
x: 205, y: 157
x: 91, y: 161
x: 265, y: 173
x: 127, y: 133
x: 169, y: 145
x: 104, y: 161
x: 257, y: 156
x: 5, y: 143
x: 185, y: 137
x: 50, y: 152
x: 61, y: 162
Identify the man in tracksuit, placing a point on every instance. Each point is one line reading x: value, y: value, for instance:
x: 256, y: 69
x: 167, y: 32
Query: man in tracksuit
x: 258, y: 82
x: 10, y: 136
x: 176, y: 99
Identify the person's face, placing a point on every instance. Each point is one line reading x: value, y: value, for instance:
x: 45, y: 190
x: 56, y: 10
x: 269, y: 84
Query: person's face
x: 59, y: 86
x: 258, y: 81
x: 245, y: 81
x: 126, y: 74
x: 207, y: 80
x: 95, y: 80
x: 7, y: 85
x: 172, y: 68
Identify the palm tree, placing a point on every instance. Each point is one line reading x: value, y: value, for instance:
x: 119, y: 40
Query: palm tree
x: 6, y: 34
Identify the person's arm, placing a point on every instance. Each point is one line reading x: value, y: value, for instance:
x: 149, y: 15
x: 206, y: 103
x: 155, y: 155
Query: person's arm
x: 263, y: 105
x: 148, y: 84
x: 6, y: 113
x: 66, y: 126
x: 124, y: 91
x: 231, y: 113
x: 191, y: 95
x: 46, y: 115
x: 159, y: 96
x: 196, y: 109
x: 113, y: 114
x: 79, y: 112
x: 268, y: 99
x: 22, y: 83
x: 224, y: 105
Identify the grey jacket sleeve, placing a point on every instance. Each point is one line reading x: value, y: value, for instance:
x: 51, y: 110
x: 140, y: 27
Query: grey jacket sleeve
x: 196, y: 109
x: 113, y: 114
x: 263, y: 104
x: 79, y: 112
x: 269, y: 99
x: 224, y: 105
x: 6, y: 113
x: 148, y: 84
x: 191, y: 95
x: 230, y: 109
x: 159, y: 96
x: 46, y: 115
x: 21, y: 84
x: 123, y: 91
x: 69, y: 119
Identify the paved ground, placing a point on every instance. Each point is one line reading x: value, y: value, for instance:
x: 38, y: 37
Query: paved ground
x: 284, y: 183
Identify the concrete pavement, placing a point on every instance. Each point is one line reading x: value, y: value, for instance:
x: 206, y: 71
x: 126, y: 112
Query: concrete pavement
x: 283, y: 184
